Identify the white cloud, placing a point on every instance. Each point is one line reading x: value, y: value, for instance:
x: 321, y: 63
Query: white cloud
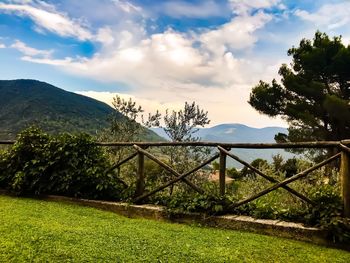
x: 127, y: 6
x: 21, y: 1
x: 29, y: 51
x: 246, y: 6
x: 2, y: 45
x: 48, y: 61
x: 330, y: 15
x: 50, y: 20
x: 167, y: 61
x: 173, y: 67
x: 171, y: 60
x: 186, y: 9
x: 223, y: 106
x: 148, y: 105
x: 239, y: 33
x: 105, y: 36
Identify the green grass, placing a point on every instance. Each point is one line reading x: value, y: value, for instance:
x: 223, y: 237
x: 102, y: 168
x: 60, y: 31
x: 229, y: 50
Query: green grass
x: 41, y: 231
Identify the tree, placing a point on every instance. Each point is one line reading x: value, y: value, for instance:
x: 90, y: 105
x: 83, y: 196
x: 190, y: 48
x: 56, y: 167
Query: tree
x: 277, y: 162
x: 178, y: 125
x: 290, y: 167
x: 123, y: 128
x: 257, y: 163
x: 181, y: 126
x: 126, y: 128
x: 313, y: 96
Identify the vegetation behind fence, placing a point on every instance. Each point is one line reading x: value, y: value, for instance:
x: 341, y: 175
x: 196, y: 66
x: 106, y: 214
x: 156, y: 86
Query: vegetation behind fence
x: 38, y: 163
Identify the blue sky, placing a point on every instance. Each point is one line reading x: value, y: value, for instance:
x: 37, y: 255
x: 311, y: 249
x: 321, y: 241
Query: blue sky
x: 162, y: 53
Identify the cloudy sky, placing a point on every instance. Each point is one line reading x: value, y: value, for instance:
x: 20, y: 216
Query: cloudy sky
x: 163, y: 53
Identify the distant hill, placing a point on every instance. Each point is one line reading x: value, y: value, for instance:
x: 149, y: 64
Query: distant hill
x: 25, y: 102
x: 240, y: 133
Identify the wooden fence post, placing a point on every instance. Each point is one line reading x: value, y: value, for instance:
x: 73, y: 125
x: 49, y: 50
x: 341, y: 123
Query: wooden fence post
x: 345, y: 182
x: 140, y: 183
x: 222, y: 173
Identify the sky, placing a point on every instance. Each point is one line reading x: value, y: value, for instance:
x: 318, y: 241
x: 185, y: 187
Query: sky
x: 163, y: 53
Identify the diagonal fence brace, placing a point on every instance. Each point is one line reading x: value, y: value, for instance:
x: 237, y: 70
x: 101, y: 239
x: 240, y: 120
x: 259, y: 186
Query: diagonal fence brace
x: 175, y: 180
x: 131, y: 156
x: 168, y: 168
x: 344, y: 147
x: 125, y: 160
x: 287, y: 181
x: 269, y: 178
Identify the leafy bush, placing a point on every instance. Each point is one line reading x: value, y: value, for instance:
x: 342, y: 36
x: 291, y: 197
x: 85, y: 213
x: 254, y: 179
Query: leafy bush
x: 290, y: 167
x: 182, y: 202
x: 257, y: 163
x: 69, y: 165
x: 327, y: 213
x: 233, y: 173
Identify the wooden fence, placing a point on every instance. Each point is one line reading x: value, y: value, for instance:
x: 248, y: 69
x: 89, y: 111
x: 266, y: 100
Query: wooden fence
x: 223, y: 151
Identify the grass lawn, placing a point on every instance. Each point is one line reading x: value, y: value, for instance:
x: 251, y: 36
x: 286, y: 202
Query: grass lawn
x: 41, y: 231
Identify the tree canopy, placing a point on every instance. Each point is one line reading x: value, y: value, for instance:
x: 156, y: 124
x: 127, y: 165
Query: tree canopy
x: 313, y: 95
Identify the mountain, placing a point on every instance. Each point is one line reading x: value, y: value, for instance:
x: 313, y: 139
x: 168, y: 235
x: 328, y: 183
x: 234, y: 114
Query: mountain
x: 239, y: 133
x: 25, y: 102
x: 233, y: 132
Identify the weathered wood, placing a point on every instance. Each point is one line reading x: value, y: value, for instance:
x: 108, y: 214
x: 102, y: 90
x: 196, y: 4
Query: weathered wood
x: 345, y: 181
x: 175, y: 180
x: 125, y: 160
x: 287, y: 181
x: 344, y: 147
x: 122, y: 162
x: 140, y: 183
x: 269, y: 178
x: 345, y: 141
x: 7, y: 142
x: 222, y: 172
x: 318, y: 144
x: 168, y: 168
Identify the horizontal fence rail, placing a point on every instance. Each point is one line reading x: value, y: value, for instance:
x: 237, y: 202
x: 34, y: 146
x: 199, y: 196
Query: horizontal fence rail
x: 320, y: 144
x: 288, y: 145
x: 223, y: 151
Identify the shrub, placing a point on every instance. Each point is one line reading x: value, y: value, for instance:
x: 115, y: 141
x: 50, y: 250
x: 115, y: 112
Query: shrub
x: 66, y: 164
x: 257, y: 163
x: 327, y: 213
x: 290, y: 167
x: 233, y: 173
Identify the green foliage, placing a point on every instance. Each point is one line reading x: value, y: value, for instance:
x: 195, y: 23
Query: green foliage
x: 314, y: 92
x: 69, y: 165
x: 181, y: 125
x: 73, y: 166
x: 127, y: 128
x: 327, y: 213
x: 233, y: 173
x: 321, y: 186
x: 52, y: 109
x: 215, y: 165
x: 123, y: 123
x: 277, y: 162
x: 257, y: 163
x: 182, y: 202
x: 290, y: 167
